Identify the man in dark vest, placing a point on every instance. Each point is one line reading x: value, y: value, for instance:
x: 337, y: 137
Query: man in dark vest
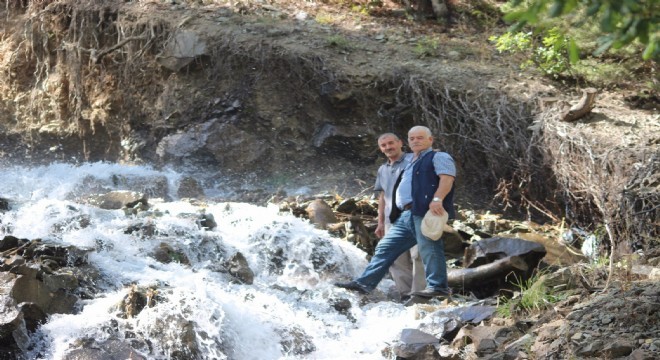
x: 427, y: 183
x: 408, y: 270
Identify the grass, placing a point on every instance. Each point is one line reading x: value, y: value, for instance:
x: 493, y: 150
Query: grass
x: 426, y: 47
x: 534, y: 296
x: 339, y: 42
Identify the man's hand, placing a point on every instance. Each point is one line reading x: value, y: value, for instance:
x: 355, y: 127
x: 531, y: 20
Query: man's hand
x: 380, y: 230
x: 436, y: 208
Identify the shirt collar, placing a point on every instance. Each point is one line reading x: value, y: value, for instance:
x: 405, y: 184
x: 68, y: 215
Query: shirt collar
x: 424, y: 152
x: 403, y: 156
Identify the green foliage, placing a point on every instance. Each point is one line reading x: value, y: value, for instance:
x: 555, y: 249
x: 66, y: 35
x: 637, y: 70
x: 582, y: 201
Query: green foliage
x: 340, y: 42
x: 426, y: 47
x: 534, y: 296
x: 550, y: 53
x: 621, y: 22
x: 552, y: 57
x: 602, y: 74
x: 512, y: 42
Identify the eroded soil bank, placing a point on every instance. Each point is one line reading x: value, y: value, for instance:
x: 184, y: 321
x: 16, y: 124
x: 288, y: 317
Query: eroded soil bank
x: 264, y: 97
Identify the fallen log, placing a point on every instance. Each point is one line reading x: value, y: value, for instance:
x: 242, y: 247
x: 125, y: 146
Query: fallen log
x: 471, y: 277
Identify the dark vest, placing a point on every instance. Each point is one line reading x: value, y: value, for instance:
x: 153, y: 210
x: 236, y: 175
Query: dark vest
x: 424, y: 184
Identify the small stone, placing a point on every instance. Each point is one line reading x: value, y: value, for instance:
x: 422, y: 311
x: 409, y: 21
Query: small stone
x: 454, y: 55
x: 576, y: 336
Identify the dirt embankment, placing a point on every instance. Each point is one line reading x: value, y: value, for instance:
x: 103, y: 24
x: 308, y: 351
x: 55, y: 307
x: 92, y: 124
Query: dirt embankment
x: 277, y: 96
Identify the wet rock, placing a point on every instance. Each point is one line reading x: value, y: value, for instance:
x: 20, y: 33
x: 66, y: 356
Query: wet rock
x: 441, y: 324
x: 238, y: 267
x: 10, y: 242
x: 207, y: 221
x: 189, y: 187
x: 177, y: 337
x: 56, y: 255
x: 28, y: 288
x: 32, y: 315
x: 188, y: 340
x: 4, y: 204
x: 12, y: 262
x: 295, y: 341
x: 105, y: 350
x: 73, y: 223
x: 208, y: 248
x: 114, y: 200
x: 136, y: 207
x: 136, y: 300
x: 143, y: 230
x: 60, y: 281
x: 11, y: 320
x: 341, y: 305
x: 323, y: 257
x: 320, y: 214
x: 151, y: 186
x: 166, y: 254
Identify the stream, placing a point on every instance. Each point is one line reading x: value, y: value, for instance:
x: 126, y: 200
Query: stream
x: 290, y: 311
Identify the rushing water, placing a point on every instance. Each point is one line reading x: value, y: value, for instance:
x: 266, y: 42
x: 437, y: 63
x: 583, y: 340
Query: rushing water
x: 229, y: 320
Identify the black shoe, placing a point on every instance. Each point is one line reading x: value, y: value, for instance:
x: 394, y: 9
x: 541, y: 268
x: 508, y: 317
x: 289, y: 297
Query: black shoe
x: 416, y: 300
x: 431, y: 293
x: 352, y: 285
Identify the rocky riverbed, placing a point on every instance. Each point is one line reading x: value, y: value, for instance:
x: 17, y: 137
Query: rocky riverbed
x: 49, y: 277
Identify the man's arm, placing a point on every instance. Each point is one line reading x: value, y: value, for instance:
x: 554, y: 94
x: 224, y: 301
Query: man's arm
x: 380, y: 229
x: 444, y: 187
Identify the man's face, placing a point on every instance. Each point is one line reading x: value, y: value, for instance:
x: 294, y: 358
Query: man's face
x: 390, y: 146
x: 419, y: 140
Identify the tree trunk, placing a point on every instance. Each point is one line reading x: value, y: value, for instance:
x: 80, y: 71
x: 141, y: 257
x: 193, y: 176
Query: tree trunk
x: 474, y: 276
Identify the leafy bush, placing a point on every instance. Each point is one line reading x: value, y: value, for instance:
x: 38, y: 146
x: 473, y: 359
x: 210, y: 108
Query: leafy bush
x: 621, y: 22
x: 550, y: 54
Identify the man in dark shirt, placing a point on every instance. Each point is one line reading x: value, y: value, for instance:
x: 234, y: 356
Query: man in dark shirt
x: 427, y: 183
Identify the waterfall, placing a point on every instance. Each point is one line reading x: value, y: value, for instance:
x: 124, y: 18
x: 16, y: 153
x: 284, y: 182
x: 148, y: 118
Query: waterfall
x: 289, y: 311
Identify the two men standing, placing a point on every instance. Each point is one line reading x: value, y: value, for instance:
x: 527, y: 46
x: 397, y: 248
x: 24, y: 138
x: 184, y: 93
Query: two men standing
x: 427, y: 183
x: 408, y: 270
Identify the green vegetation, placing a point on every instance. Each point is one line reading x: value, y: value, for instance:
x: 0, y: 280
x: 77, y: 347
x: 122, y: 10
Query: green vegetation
x: 339, y: 42
x: 549, y: 54
x: 426, y: 47
x: 620, y: 22
x: 534, y: 296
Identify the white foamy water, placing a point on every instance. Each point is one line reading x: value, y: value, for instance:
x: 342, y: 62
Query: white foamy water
x: 294, y: 267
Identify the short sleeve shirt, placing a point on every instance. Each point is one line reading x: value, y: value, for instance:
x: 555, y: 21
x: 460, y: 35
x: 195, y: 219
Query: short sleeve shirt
x: 443, y: 164
x: 386, y: 178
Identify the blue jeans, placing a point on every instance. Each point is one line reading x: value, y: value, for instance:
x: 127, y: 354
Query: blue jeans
x: 404, y: 234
